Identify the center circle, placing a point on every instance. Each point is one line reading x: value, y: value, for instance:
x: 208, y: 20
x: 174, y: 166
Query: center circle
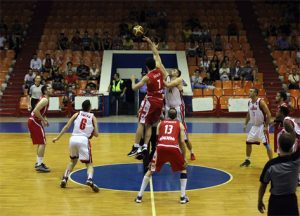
x: 128, y: 177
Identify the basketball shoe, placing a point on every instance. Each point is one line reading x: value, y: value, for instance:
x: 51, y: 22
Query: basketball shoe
x: 184, y: 200
x: 133, y: 151
x: 94, y: 187
x: 42, y: 168
x: 63, y: 182
x: 138, y: 199
x: 246, y: 163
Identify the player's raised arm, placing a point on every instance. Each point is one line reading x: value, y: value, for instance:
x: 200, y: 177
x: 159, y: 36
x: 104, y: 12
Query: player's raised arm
x: 37, y: 110
x: 66, y: 127
x: 156, y: 57
x: 173, y: 83
x: 95, y: 123
x: 136, y: 86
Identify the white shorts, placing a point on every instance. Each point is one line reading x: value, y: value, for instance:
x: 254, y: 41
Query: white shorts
x: 80, y: 147
x: 180, y: 117
x: 257, y: 135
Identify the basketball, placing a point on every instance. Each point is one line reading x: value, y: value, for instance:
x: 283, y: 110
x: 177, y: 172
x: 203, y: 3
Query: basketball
x: 138, y: 30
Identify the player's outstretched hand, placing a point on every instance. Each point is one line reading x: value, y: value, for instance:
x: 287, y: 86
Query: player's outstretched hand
x: 147, y: 39
x: 55, y: 139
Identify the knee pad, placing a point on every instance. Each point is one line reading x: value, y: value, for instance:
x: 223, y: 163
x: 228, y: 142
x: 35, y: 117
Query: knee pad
x: 183, y: 175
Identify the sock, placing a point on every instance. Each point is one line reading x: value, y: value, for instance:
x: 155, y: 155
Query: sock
x: 145, y: 182
x: 192, y: 152
x: 183, y: 181
x: 247, y: 158
x: 136, y: 145
x: 67, y: 173
x: 145, y: 145
x: 90, y: 175
x: 39, y: 160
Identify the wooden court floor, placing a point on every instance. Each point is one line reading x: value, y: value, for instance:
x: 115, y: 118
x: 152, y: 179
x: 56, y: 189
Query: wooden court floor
x: 25, y: 192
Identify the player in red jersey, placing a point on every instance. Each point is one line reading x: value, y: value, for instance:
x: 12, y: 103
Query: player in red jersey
x: 281, y: 97
x: 170, y: 148
x: 35, y: 125
x: 152, y: 105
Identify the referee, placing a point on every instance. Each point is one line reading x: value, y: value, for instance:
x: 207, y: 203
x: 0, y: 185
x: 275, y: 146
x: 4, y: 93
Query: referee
x: 283, y: 173
x: 35, y: 92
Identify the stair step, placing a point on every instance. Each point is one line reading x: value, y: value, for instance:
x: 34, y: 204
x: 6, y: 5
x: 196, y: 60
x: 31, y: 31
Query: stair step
x: 7, y: 105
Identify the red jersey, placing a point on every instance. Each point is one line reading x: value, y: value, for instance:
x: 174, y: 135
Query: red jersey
x: 169, y: 131
x: 43, y: 111
x: 155, y: 84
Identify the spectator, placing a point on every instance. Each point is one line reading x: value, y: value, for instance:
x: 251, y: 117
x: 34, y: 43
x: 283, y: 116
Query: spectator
x: 94, y: 72
x: 117, y: 43
x: 47, y: 79
x: 213, y: 69
x: 86, y: 41
x: 29, y: 79
x: 232, y: 29
x: 196, y: 80
x: 294, y: 79
x: 97, y: 42
x: 69, y: 67
x: 224, y: 72
x: 106, y: 41
x: 92, y: 84
x: 204, y: 62
x: 55, y: 68
x: 282, y: 43
x: 88, y: 91
x: 218, y: 44
x: 71, y: 78
x: 247, y: 72
x: 197, y: 34
x: 57, y: 81
x: 187, y: 34
x: 83, y: 71
x: 226, y: 61
x: 76, y: 42
x: 2, y: 41
x: 36, y: 63
x: 236, y: 71
x: 128, y: 43
x: 192, y: 50
x: 69, y: 96
x: 206, y: 34
x: 62, y: 42
x: 47, y: 63
x: 298, y: 56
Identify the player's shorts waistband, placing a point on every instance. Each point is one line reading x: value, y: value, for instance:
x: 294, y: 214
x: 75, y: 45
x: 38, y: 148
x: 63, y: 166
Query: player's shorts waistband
x: 168, y: 146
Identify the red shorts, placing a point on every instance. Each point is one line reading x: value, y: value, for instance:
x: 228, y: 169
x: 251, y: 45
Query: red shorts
x: 163, y: 155
x: 37, y: 132
x: 150, y: 110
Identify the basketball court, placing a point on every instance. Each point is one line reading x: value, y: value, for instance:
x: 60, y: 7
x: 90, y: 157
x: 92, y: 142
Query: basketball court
x: 216, y: 183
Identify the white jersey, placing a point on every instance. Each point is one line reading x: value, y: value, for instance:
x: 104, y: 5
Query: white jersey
x: 257, y: 116
x: 173, y: 96
x: 296, y: 129
x: 83, y: 124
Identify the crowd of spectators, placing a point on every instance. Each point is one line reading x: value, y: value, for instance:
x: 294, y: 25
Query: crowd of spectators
x: 210, y: 70
x: 64, y: 81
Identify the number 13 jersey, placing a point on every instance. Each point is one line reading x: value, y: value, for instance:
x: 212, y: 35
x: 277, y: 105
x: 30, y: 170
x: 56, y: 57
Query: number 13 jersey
x: 83, y: 124
x: 169, y: 131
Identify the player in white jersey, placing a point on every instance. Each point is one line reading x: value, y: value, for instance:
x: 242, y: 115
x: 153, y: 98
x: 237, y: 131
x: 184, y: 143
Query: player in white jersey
x: 259, y: 115
x: 173, y: 99
x: 85, y: 126
x: 289, y: 126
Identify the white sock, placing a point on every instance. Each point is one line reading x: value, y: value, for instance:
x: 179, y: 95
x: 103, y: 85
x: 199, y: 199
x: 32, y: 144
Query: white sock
x: 67, y: 173
x: 39, y: 160
x: 247, y: 158
x: 145, y: 182
x: 145, y: 145
x: 183, y: 182
x: 90, y: 175
x: 136, y: 145
x: 192, y: 151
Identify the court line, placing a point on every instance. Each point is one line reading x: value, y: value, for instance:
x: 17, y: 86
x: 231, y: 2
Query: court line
x: 152, y: 198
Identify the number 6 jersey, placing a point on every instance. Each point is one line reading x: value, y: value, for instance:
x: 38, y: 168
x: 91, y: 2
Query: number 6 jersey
x: 83, y: 124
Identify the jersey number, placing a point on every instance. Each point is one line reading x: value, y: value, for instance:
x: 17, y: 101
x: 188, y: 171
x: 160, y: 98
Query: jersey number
x: 168, y: 129
x: 83, y: 123
x: 158, y: 84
